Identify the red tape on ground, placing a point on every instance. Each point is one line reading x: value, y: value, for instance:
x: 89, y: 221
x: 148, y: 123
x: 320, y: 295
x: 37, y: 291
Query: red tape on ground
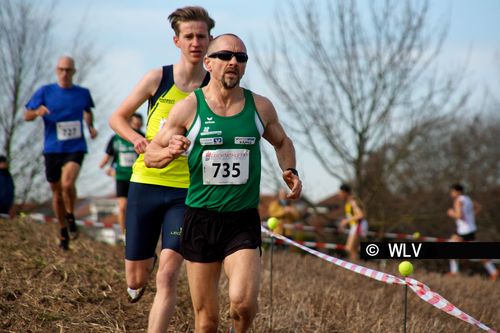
x: 422, y: 290
x: 317, y: 245
x: 297, y: 226
x: 84, y: 223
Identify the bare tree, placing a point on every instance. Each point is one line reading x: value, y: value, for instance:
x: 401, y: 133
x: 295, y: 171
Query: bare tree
x: 88, y: 56
x: 26, y: 61
x: 25, y: 45
x: 349, y: 81
x: 415, y: 196
x: 271, y: 179
x: 85, y: 51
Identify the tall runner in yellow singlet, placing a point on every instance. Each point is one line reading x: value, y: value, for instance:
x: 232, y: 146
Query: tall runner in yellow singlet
x: 156, y: 200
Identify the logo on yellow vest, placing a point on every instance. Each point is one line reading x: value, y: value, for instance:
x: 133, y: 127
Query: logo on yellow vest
x: 167, y: 100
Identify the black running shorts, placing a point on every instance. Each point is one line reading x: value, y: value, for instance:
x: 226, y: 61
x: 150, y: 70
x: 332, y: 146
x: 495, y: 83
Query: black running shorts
x: 122, y: 188
x: 468, y: 237
x: 210, y: 236
x: 54, y: 163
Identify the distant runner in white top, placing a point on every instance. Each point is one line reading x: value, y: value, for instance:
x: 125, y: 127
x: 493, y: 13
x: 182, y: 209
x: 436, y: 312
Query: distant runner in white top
x: 464, y: 211
x: 466, y: 223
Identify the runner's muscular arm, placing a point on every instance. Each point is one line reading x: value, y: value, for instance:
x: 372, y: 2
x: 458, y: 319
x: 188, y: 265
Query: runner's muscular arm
x: 105, y: 160
x: 89, y: 120
x: 456, y: 211
x: 358, y: 212
x: 30, y: 114
x: 170, y: 141
x: 119, y: 120
x: 285, y: 151
x: 477, y: 207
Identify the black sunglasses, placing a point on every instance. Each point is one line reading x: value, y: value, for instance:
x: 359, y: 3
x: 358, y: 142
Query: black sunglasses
x: 228, y: 55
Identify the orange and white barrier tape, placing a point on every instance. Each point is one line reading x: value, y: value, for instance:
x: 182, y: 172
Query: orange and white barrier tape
x: 422, y: 290
x: 392, y: 235
x: 336, y: 246
x: 316, y: 245
x: 408, y: 236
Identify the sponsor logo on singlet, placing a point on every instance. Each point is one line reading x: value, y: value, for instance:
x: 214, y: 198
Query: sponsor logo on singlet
x: 244, y: 140
x: 211, y: 141
x: 207, y: 131
x: 166, y: 100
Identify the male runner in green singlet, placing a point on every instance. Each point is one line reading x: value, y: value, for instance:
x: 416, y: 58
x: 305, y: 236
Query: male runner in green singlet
x: 156, y: 201
x: 219, y: 128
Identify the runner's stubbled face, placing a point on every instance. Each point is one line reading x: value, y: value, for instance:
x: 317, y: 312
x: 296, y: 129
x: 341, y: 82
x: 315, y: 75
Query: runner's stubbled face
x: 228, y: 72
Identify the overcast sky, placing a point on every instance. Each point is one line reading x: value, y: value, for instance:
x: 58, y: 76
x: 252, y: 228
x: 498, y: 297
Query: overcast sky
x: 134, y: 36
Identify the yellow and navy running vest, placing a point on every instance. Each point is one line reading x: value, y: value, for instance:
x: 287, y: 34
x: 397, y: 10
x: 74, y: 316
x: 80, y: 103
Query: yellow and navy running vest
x: 349, y: 210
x: 176, y: 174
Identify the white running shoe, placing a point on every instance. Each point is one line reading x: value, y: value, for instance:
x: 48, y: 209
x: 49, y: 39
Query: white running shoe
x: 134, y: 295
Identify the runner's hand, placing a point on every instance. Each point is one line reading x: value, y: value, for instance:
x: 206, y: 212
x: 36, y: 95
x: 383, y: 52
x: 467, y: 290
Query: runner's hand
x: 93, y: 132
x: 110, y: 172
x: 42, y: 111
x: 140, y: 145
x: 294, y: 183
x: 177, y: 145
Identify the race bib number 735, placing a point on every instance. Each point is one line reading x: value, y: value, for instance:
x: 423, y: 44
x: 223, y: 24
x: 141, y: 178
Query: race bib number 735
x: 225, y: 166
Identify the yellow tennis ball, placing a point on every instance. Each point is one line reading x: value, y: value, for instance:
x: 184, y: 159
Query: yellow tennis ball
x: 272, y: 223
x: 405, y: 268
x: 416, y: 235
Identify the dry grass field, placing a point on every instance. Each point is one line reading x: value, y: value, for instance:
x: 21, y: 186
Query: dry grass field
x: 43, y: 289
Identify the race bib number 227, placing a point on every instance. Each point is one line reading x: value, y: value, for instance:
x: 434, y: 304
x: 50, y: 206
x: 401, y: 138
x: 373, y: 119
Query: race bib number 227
x: 67, y: 130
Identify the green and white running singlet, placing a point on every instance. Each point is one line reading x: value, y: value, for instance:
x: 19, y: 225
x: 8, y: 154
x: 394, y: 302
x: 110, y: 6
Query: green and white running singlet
x: 124, y: 156
x: 224, y: 157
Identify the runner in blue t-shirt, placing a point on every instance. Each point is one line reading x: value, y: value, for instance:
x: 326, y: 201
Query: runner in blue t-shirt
x: 63, y: 107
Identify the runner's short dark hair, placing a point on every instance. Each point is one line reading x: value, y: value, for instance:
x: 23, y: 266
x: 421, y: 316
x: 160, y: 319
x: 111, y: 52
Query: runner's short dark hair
x: 345, y: 188
x: 190, y: 13
x: 137, y: 115
x: 457, y: 187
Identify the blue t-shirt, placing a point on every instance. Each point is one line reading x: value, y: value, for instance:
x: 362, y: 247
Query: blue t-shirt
x: 64, y: 123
